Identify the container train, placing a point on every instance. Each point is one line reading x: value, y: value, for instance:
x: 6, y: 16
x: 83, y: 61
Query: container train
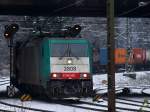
x: 54, y: 67
x: 127, y: 80
x: 136, y: 56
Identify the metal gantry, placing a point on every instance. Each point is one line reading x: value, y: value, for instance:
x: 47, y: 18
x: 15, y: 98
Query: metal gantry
x: 129, y: 67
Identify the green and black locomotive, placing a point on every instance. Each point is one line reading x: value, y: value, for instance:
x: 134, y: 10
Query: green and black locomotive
x: 55, y: 67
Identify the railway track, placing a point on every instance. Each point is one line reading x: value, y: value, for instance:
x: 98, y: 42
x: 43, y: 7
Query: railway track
x: 131, y: 100
x: 2, y: 110
x: 4, y: 80
x: 129, y: 105
x: 101, y: 107
x: 4, y: 83
x: 121, y: 108
x: 3, y: 77
x: 134, y: 103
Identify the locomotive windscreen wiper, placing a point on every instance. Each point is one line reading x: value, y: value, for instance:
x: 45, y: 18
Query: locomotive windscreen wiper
x: 68, y: 52
x: 72, y: 54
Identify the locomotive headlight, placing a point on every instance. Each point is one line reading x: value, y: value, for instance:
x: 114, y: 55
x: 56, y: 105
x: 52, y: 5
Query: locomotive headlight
x: 54, y: 75
x: 85, y: 75
x: 69, y: 61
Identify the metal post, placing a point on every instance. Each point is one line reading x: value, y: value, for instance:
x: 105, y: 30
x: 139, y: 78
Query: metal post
x: 11, y: 61
x: 111, y: 47
x: 129, y: 67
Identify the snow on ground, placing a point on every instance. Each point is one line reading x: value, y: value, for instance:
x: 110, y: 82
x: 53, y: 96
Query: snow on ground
x: 41, y: 105
x: 146, y: 91
x: 3, y: 80
x: 100, y: 82
x: 62, y: 108
x: 141, y: 81
x: 67, y: 108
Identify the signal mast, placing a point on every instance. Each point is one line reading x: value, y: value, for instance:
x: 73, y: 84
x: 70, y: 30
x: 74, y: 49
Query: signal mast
x: 10, y: 31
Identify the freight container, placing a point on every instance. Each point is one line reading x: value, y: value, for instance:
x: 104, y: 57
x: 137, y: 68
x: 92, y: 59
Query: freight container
x: 148, y: 55
x: 103, y: 56
x: 144, y: 56
x: 120, y: 55
x: 138, y: 56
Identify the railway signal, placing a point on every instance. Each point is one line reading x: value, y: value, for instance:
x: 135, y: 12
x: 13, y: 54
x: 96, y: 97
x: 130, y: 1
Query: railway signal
x: 10, y: 30
x: 75, y: 30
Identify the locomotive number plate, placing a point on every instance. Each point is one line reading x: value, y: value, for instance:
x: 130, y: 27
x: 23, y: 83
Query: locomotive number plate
x: 70, y: 68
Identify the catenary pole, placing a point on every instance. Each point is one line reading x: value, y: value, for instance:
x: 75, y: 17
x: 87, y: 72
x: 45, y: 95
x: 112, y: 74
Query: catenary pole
x: 111, y: 60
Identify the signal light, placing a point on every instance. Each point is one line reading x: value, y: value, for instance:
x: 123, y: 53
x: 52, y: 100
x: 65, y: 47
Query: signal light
x: 14, y: 28
x: 6, y: 34
x: 77, y: 27
x: 74, y: 31
x: 10, y: 30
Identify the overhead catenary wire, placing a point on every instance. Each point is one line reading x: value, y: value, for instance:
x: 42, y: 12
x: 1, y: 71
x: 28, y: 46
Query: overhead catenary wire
x: 78, y: 2
x: 140, y: 5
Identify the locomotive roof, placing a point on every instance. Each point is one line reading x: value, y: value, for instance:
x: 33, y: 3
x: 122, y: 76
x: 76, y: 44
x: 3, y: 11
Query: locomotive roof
x: 66, y: 40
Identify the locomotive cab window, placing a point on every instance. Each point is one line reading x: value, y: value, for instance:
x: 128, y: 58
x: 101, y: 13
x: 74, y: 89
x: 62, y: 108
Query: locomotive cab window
x: 69, y: 50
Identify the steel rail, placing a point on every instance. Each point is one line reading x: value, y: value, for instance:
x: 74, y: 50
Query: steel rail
x: 4, y: 80
x: 4, y: 83
x: 131, y: 100
x: 2, y: 110
x: 129, y: 103
x: 119, y: 108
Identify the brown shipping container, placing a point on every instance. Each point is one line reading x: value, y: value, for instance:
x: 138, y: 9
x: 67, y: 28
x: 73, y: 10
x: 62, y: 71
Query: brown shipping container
x: 120, y: 55
x: 138, y: 56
